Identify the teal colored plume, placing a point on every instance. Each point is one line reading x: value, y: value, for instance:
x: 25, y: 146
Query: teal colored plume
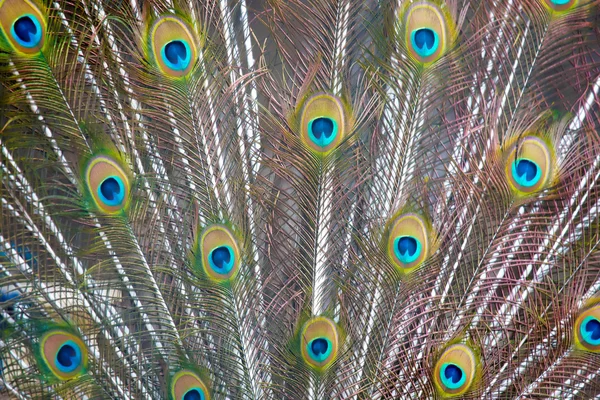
x: 299, y: 199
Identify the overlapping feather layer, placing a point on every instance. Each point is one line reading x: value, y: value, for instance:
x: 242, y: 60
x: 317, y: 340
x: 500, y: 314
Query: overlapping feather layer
x: 299, y: 199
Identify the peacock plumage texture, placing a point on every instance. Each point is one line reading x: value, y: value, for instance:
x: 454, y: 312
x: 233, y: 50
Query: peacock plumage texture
x: 299, y: 199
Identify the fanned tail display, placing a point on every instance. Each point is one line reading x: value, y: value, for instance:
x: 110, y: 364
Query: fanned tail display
x: 299, y: 199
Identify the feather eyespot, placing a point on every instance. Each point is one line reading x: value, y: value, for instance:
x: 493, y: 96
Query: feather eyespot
x: 408, y: 243
x: 319, y: 342
x: 455, y: 370
x: 427, y: 30
x: 176, y: 55
x: 526, y: 173
x: 424, y: 41
x: 173, y: 46
x: 220, y: 254
x: 222, y: 259
x: 187, y: 385
x: 23, y: 24
x: 64, y: 354
x: 323, y: 123
x: 8, y: 300
x: 587, y: 329
x: 560, y: 5
x: 27, y: 30
x: 107, y: 183
x: 529, y: 165
x: 322, y: 131
x: 319, y: 349
x: 407, y: 248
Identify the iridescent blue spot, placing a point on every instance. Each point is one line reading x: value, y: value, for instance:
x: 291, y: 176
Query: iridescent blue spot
x: 110, y: 188
x: 68, y: 357
x: 7, y: 297
x: 590, y: 330
x: 526, y: 172
x: 221, y: 259
x: 425, y: 41
x: 527, y: 169
x: 424, y: 38
x: 175, y: 51
x: 319, y: 346
x: 319, y: 349
x: 560, y: 2
x: 322, y: 131
x: 24, y: 253
x: 193, y: 394
x: 452, y: 376
x: 112, y: 191
x: 322, y: 127
x: 27, y: 31
x: 407, y: 249
x: 177, y: 55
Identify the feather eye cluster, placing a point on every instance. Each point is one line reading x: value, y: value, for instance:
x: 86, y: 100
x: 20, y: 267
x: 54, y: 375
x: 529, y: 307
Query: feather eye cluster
x: 210, y: 189
x: 427, y: 30
x: 529, y: 165
x: 23, y: 25
x: 173, y: 46
x: 319, y: 342
x: 455, y: 370
x: 63, y: 353
x: 187, y: 385
x: 107, y: 183
x: 408, y: 242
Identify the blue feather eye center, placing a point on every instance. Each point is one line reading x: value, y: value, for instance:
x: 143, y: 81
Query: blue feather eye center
x: 221, y: 259
x: 452, y: 376
x: 112, y: 191
x: 194, y: 394
x: 177, y: 55
x: 322, y: 127
x: 526, y: 172
x: 560, y: 2
x: 425, y: 41
x: 590, y: 330
x: 424, y: 38
x: 407, y: 249
x: 319, y: 349
x: 68, y: 357
x: 7, y: 296
x: 27, y: 31
x: 322, y: 131
x: 175, y: 51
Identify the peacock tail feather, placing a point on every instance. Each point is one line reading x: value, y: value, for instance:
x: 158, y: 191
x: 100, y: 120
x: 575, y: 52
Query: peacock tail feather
x: 299, y: 199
